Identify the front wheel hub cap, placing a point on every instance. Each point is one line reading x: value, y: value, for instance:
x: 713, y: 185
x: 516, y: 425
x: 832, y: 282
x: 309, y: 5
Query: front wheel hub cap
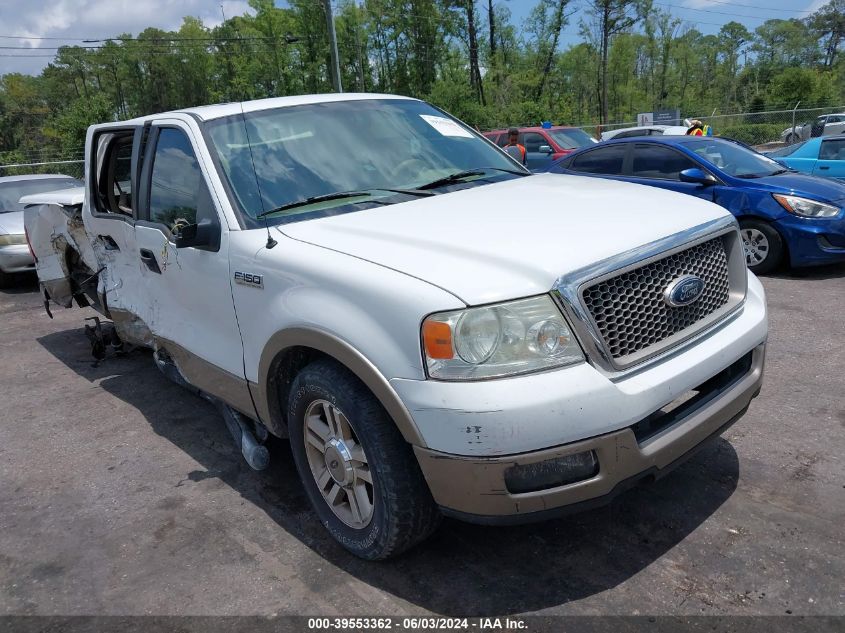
x: 339, y: 462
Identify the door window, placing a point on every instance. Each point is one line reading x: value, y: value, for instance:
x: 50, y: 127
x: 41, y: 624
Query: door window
x: 656, y: 161
x: 607, y: 160
x: 114, y: 175
x: 178, y: 193
x: 532, y: 141
x: 832, y: 150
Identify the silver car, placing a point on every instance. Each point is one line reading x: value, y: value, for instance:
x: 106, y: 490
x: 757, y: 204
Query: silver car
x: 15, y: 256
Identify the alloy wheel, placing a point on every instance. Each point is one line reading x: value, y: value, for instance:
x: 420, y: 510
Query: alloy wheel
x: 338, y: 464
x: 756, y: 246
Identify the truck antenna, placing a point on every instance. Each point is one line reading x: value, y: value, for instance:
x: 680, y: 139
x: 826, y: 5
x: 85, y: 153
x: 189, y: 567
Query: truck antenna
x: 270, y: 241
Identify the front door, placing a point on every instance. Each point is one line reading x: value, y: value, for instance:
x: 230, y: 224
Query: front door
x: 831, y: 162
x: 191, y: 311
x: 538, y: 154
x: 658, y: 165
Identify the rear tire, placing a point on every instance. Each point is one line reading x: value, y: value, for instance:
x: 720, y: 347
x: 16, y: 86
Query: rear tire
x: 364, y: 483
x: 762, y: 245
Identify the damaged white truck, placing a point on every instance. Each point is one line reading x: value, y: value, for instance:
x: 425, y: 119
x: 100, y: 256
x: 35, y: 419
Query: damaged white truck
x: 436, y: 330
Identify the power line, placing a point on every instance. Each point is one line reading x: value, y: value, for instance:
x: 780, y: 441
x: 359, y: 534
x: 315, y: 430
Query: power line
x: 756, y: 6
x: 735, y: 15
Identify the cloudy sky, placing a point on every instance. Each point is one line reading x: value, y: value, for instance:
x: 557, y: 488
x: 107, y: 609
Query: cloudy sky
x: 23, y: 21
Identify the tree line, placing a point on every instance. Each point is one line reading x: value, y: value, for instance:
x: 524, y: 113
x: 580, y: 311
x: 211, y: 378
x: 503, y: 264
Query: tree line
x: 466, y: 56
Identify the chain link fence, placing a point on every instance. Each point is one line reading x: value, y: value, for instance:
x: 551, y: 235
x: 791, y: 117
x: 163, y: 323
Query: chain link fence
x: 762, y: 130
x: 74, y: 168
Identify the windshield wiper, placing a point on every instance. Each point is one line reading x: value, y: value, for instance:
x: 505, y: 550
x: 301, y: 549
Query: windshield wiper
x: 459, y: 176
x: 339, y: 195
x: 314, y: 200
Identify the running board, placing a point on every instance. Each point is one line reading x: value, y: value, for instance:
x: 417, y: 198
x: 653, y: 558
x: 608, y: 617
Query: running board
x: 249, y: 442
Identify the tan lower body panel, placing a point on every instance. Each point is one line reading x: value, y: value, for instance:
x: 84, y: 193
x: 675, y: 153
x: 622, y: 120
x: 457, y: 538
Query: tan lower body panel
x: 209, y: 378
x: 476, y: 486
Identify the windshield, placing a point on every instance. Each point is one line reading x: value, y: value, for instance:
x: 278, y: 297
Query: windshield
x: 11, y: 192
x: 789, y: 150
x: 572, y: 138
x: 273, y: 158
x: 735, y: 160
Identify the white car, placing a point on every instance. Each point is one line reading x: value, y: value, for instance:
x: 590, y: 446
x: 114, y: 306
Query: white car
x: 15, y: 256
x: 435, y: 330
x: 644, y: 130
x: 823, y: 125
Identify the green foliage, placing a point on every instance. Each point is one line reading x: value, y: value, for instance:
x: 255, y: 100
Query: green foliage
x: 753, y: 133
x: 70, y: 125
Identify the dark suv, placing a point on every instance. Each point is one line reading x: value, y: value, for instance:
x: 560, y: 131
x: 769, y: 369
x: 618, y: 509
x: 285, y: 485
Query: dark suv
x: 542, y: 145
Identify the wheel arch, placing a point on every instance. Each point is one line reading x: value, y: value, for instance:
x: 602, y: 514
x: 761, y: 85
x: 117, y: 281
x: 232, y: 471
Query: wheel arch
x: 289, y: 350
x: 750, y: 215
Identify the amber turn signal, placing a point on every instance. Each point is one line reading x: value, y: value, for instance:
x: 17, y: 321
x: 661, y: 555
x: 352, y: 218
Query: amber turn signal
x: 437, y: 337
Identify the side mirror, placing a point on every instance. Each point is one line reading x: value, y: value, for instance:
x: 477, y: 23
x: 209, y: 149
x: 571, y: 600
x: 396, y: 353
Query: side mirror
x: 697, y: 176
x: 205, y: 236
x: 546, y: 149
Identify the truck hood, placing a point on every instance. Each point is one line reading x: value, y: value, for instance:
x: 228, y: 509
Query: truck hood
x: 11, y: 223
x: 510, y: 239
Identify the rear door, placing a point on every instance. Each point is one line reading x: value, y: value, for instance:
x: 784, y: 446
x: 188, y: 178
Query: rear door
x: 109, y: 215
x: 835, y: 125
x: 831, y: 162
x: 607, y: 160
x: 191, y: 311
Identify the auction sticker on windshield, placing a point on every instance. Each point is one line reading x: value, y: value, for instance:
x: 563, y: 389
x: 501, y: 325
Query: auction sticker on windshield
x: 445, y: 126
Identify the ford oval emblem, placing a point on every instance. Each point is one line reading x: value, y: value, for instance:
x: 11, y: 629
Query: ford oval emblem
x: 684, y: 291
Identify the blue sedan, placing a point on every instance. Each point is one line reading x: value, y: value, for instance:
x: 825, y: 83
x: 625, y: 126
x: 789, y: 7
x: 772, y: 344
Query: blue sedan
x: 821, y: 156
x: 784, y: 216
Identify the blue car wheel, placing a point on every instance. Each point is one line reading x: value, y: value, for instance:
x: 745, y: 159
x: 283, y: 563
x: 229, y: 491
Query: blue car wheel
x: 763, y: 246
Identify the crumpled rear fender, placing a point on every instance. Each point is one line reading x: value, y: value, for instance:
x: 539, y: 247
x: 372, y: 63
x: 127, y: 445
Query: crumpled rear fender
x: 53, y: 230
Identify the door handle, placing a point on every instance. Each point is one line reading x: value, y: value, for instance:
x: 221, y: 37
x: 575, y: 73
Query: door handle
x: 824, y: 166
x: 108, y: 242
x: 149, y: 259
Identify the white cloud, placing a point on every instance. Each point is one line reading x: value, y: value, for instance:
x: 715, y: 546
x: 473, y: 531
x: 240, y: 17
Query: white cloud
x: 94, y: 19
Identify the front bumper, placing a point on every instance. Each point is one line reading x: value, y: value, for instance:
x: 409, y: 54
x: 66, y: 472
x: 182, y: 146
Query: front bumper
x: 813, y: 242
x: 16, y: 258
x: 475, y: 489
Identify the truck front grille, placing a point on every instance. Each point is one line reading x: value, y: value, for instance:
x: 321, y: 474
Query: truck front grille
x: 629, y: 309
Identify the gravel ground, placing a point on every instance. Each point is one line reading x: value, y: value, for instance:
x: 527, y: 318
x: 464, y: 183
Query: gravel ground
x: 121, y: 494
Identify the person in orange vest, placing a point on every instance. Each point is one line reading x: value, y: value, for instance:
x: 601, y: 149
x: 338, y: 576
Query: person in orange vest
x: 513, y: 148
x: 696, y: 128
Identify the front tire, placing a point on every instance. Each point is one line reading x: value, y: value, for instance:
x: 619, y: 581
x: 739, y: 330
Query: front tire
x: 762, y: 245
x: 359, y: 473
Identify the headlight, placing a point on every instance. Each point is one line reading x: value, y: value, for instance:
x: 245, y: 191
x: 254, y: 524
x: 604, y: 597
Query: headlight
x: 805, y: 207
x: 9, y: 240
x: 498, y: 340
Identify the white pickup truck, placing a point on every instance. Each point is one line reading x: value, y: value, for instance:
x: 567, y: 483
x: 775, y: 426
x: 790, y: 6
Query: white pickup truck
x: 435, y: 330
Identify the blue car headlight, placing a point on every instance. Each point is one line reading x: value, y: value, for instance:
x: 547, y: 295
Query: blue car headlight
x: 805, y: 207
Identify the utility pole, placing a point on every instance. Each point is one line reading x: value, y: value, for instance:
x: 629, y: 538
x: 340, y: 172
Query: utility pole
x: 327, y: 6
